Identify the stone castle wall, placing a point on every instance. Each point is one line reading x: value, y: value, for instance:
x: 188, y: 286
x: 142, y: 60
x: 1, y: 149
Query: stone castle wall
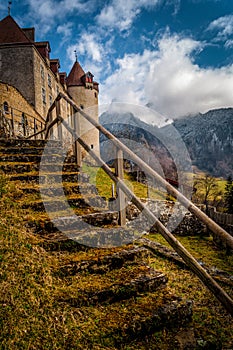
x: 16, y: 68
x: 23, y: 67
x: 17, y: 102
x: 45, y: 79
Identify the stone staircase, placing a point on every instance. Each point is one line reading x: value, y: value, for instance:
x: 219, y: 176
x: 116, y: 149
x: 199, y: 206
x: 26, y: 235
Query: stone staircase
x: 114, y: 280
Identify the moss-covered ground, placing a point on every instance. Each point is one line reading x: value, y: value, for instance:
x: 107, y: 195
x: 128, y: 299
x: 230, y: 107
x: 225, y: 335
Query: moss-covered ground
x: 35, y: 315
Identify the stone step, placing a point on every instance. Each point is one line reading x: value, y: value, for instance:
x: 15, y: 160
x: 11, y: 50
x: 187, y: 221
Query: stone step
x: 152, y: 317
x: 32, y: 150
x: 104, y: 264
x: 106, y: 237
x: 22, y: 143
x: 68, y: 188
x: 94, y: 237
x: 31, y: 158
x: 149, y: 281
x: 57, y: 204
x: 75, y: 177
x: 74, y: 223
x: 22, y: 157
x: 20, y: 168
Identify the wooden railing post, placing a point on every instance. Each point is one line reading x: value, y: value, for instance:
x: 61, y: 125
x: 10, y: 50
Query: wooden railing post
x: 12, y: 122
x: 119, y: 169
x: 34, y: 127
x: 77, y: 146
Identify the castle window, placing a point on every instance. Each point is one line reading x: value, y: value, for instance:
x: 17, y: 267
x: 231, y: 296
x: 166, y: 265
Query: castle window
x: 42, y: 73
x: 5, y: 107
x: 50, y: 100
x: 81, y: 106
x: 43, y: 95
x: 57, y: 90
x: 95, y: 95
x: 92, y: 146
x: 49, y: 81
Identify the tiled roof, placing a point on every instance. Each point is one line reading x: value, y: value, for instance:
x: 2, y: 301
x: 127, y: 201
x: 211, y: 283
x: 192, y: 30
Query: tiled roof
x: 76, y: 73
x: 10, y: 32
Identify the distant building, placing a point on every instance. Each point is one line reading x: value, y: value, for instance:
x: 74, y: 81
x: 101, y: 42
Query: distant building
x: 31, y: 80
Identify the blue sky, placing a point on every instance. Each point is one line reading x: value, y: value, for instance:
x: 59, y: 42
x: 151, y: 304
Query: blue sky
x: 176, y: 55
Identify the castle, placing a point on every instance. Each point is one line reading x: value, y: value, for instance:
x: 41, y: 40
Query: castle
x: 30, y: 80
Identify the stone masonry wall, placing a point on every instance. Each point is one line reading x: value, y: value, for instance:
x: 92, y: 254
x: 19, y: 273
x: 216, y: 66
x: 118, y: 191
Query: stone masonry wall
x: 16, y: 69
x: 16, y: 101
x: 46, y: 79
x: 166, y: 212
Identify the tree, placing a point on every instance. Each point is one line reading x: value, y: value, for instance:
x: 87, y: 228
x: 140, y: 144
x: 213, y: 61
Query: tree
x: 206, y: 188
x: 229, y: 195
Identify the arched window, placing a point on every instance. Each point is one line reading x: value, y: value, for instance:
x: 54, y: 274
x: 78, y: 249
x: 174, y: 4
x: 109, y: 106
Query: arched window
x: 5, y: 107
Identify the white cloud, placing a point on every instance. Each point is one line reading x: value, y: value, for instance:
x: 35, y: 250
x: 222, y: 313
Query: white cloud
x: 65, y: 30
x: 92, y: 52
x: 49, y: 8
x: 223, y: 26
x: 120, y: 14
x: 170, y: 80
x: 47, y: 12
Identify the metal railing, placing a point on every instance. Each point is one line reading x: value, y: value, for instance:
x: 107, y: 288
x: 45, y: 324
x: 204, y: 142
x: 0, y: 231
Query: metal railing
x: 123, y: 191
x: 18, y: 124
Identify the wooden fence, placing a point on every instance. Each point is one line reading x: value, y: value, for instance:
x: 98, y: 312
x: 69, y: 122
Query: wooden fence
x: 220, y: 218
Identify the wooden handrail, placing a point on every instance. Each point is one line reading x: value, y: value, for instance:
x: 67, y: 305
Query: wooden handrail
x: 213, y: 226
x: 209, y: 282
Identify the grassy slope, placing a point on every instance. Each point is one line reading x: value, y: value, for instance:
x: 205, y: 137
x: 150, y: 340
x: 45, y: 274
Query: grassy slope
x: 104, y: 184
x: 32, y: 317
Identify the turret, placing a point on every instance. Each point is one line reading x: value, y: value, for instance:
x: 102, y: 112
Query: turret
x: 84, y: 92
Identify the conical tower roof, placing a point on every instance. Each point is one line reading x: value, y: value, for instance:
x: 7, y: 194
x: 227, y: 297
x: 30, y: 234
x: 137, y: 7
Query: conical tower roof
x: 10, y: 32
x: 76, y: 73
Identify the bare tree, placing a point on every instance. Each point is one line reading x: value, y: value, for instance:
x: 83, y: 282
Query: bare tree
x: 206, y: 188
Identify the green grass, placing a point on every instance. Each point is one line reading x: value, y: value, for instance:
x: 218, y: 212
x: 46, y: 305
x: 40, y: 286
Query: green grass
x: 103, y: 183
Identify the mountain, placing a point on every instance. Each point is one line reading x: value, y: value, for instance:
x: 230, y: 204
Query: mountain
x: 208, y: 138
x: 145, y: 140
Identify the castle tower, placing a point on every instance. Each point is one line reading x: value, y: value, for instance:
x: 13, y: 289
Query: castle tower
x: 84, y: 91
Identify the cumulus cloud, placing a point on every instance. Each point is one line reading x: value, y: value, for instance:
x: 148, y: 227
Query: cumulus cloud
x: 223, y: 26
x: 170, y: 80
x: 93, y: 53
x: 120, y: 14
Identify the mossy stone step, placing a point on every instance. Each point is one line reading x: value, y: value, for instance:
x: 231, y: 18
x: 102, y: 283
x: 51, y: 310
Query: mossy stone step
x: 68, y: 189
x: 57, y: 204
x: 103, y: 237
x: 51, y: 178
x: 92, y: 237
x: 147, y: 282
x: 21, y: 143
x: 72, y: 223
x: 167, y: 315
x: 32, y: 150
x: 34, y: 157
x: 20, y: 167
x: 106, y: 263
